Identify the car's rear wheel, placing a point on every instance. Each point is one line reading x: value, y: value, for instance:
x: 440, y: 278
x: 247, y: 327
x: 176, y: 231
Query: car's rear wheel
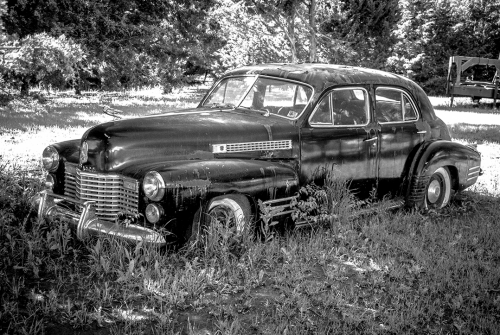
x: 438, y: 190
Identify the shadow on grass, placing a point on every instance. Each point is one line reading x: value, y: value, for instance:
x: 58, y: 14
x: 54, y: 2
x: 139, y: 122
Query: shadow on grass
x: 70, y: 111
x: 475, y: 133
x: 27, y: 119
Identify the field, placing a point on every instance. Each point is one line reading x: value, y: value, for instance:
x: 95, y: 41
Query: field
x: 390, y: 272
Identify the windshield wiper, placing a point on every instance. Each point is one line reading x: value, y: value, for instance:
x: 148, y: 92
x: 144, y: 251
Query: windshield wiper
x: 263, y: 111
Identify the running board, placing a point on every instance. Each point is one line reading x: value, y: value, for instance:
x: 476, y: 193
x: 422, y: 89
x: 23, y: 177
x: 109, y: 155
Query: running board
x: 378, y: 207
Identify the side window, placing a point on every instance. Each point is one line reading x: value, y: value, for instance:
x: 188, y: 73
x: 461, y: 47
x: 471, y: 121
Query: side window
x: 393, y: 105
x: 349, y: 107
x: 342, y: 107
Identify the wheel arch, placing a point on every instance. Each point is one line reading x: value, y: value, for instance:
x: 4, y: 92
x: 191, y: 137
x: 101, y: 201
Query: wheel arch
x: 430, y: 156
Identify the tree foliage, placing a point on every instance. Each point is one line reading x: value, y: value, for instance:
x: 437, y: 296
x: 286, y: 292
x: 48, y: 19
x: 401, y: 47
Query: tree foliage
x: 3, y: 11
x: 130, y: 43
x: 365, y: 29
x: 429, y: 32
x: 41, y: 58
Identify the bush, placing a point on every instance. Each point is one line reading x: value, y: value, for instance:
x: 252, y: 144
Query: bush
x: 435, y: 86
x: 44, y: 59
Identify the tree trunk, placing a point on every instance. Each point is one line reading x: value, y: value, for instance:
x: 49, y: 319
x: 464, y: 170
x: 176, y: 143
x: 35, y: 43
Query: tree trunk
x: 77, y: 82
x: 312, y: 32
x: 25, y: 87
x: 292, y: 39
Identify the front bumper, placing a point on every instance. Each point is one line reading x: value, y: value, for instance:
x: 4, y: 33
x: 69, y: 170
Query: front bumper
x: 52, y: 205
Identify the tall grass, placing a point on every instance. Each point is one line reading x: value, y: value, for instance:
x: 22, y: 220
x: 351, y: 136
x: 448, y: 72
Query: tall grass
x: 393, y: 272
x: 473, y: 133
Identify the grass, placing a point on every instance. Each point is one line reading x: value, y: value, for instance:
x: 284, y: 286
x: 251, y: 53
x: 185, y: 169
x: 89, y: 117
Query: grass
x: 395, y: 272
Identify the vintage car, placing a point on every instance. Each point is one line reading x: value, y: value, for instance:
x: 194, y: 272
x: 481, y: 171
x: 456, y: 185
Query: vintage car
x: 259, y: 134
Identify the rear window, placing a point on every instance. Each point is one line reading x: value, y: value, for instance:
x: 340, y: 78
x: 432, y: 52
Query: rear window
x: 393, y: 105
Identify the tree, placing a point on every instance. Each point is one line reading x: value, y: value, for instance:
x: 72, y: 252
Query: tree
x: 286, y: 18
x: 248, y: 38
x: 42, y: 58
x: 3, y: 11
x: 129, y: 42
x: 313, y: 57
x: 429, y: 32
x: 363, y: 30
x: 277, y: 31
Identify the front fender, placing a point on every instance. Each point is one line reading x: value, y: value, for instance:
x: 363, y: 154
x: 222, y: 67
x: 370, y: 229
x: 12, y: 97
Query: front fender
x: 189, y: 183
x: 68, y: 150
x: 462, y: 161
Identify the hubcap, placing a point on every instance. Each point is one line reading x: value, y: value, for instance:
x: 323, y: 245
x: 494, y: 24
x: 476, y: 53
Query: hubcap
x: 222, y: 214
x: 433, y: 191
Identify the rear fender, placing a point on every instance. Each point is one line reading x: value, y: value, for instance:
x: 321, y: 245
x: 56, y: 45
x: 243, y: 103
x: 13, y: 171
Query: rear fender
x: 462, y: 161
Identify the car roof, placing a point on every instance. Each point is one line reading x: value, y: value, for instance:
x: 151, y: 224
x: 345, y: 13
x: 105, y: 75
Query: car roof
x: 321, y: 76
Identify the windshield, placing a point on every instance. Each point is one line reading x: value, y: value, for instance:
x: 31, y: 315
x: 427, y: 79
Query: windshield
x: 270, y: 96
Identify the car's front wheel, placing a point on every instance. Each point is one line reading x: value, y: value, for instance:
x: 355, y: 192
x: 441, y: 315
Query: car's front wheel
x: 438, y: 190
x: 232, y: 211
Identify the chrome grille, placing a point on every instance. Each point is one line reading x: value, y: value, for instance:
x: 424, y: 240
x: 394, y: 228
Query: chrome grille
x: 252, y: 146
x: 112, y: 193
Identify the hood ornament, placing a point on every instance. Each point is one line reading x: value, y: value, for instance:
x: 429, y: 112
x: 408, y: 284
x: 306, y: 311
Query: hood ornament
x: 84, y: 153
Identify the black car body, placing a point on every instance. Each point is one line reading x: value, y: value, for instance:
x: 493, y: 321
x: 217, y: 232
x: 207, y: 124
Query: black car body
x: 259, y: 134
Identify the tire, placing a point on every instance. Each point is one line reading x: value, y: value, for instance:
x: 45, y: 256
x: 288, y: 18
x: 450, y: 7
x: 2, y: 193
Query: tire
x: 438, y: 190
x: 231, y: 209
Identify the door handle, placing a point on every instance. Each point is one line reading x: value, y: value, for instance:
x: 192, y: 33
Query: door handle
x: 422, y: 132
x: 370, y: 139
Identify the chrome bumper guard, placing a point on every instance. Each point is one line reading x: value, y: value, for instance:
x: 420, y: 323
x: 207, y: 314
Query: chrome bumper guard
x: 87, y: 223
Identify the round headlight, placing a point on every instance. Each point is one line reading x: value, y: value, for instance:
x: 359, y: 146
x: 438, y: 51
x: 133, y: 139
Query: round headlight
x: 154, y: 213
x: 50, y: 159
x: 153, y: 186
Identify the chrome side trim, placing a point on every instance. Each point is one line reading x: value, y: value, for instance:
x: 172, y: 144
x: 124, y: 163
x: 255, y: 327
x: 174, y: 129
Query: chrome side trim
x: 251, y: 146
x: 473, y: 173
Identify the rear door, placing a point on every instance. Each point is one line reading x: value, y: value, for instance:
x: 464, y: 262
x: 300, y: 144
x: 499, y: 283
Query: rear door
x: 397, y: 116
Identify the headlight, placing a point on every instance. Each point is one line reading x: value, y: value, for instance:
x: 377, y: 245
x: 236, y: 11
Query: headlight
x: 154, y: 212
x: 50, y: 159
x: 153, y: 186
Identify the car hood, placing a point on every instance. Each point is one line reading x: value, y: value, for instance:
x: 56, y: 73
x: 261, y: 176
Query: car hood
x: 188, y: 135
